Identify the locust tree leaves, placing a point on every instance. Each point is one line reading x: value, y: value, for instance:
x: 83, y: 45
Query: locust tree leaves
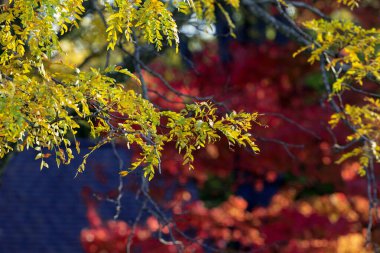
x: 352, y: 55
x: 40, y: 105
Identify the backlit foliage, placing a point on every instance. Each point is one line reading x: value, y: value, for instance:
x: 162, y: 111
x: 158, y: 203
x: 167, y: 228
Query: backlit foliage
x: 151, y: 17
x: 350, y: 3
x: 42, y: 99
x: 352, y: 55
x: 354, y: 46
x: 154, y: 19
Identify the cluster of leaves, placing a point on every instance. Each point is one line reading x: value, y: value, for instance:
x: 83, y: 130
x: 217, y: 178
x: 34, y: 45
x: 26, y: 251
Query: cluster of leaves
x: 202, y: 129
x: 206, y: 10
x: 352, y: 55
x: 151, y: 17
x: 32, y: 27
x: 352, y: 48
x: 350, y: 3
x: 366, y: 120
x: 191, y: 129
x: 154, y: 19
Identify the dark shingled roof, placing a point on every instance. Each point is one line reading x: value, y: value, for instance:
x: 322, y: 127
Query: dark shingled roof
x: 44, y: 211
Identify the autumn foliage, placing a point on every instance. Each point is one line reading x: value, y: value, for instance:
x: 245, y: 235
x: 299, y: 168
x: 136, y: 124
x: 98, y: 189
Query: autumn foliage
x: 292, y: 197
x: 265, y: 138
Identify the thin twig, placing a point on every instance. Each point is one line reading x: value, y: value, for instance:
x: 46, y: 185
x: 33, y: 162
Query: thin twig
x: 284, y: 144
x: 291, y: 22
x: 102, y: 17
x: 134, y: 226
x: 121, y: 184
x: 289, y: 120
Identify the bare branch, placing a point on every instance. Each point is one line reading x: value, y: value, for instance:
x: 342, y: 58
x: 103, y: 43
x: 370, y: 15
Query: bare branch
x: 288, y: 31
x: 134, y: 226
x: 121, y: 184
x: 289, y: 120
x: 284, y: 144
